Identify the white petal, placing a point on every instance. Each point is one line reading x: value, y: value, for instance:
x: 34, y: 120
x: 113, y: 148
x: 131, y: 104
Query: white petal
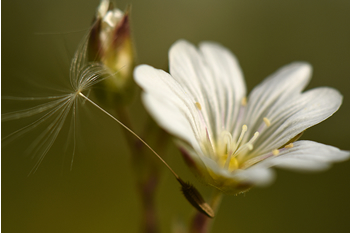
x: 297, y: 115
x: 214, y: 166
x: 257, y: 176
x: 189, y: 69
x: 213, y: 77
x: 171, y: 106
x: 274, y: 91
x: 228, y: 78
x: 307, y: 156
x: 169, y: 117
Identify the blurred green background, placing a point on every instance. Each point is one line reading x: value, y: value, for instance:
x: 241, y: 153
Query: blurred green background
x: 99, y: 194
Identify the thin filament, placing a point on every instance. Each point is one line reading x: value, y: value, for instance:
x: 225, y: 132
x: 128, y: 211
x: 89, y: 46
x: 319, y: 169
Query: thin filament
x: 132, y: 132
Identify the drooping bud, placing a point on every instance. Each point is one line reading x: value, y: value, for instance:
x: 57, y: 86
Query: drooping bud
x: 110, y: 44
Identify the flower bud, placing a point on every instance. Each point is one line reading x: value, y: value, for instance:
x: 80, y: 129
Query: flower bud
x: 110, y: 43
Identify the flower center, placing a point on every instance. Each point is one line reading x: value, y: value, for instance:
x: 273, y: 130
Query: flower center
x: 228, y: 149
x: 229, y: 153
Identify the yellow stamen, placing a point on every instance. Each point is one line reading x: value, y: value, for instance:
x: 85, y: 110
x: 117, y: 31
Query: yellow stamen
x: 267, y: 122
x: 250, y: 146
x: 275, y: 152
x: 244, y: 130
x: 244, y: 101
x: 233, y: 164
x: 199, y: 107
x: 290, y: 145
x: 227, y: 137
x: 256, y: 134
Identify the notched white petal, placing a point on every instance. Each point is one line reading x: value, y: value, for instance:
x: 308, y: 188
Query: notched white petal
x: 272, y: 94
x: 188, y: 67
x: 307, y: 156
x: 225, y: 67
x: 156, y: 81
x: 309, y: 109
x: 170, y: 104
x: 228, y: 79
x: 169, y: 117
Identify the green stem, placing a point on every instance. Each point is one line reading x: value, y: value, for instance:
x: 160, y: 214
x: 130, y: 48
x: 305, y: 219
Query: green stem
x: 146, y: 171
x: 147, y: 176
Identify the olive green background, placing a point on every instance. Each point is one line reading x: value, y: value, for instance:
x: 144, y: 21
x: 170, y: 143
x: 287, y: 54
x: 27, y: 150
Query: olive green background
x: 99, y: 194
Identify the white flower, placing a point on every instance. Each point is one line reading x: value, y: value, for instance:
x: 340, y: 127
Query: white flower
x: 229, y: 140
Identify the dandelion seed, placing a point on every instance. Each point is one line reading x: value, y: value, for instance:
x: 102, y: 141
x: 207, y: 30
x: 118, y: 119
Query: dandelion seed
x: 57, y: 109
x: 83, y: 75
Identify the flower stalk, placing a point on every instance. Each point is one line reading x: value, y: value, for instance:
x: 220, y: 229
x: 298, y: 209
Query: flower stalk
x: 200, y: 222
x: 147, y: 175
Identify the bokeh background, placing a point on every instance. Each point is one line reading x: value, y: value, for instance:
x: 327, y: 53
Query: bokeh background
x: 99, y: 193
